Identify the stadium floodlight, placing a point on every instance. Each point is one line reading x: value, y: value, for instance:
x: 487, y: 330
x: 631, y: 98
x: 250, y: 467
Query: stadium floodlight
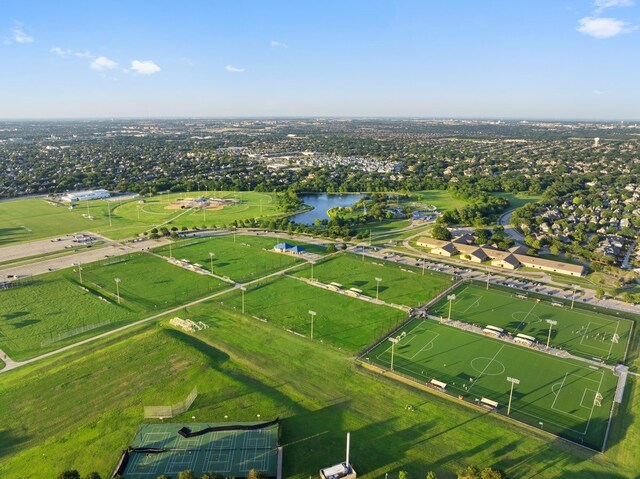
x: 513, y: 382
x: 312, y: 263
x: 211, y: 255
x: 258, y: 416
x: 573, y: 298
x: 80, y: 272
x: 541, y: 425
x: 226, y: 417
x: 395, y: 341
x: 451, y: 298
x: 243, y: 289
x: 194, y: 418
x: 488, y: 277
x: 424, y: 263
x: 551, y: 323
x: 109, y: 211
x: 377, y: 287
x: 117, y: 280
x: 313, y: 315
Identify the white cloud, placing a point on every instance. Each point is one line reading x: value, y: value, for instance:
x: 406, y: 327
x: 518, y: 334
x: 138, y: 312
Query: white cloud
x: 83, y: 54
x: 146, y: 67
x: 60, y: 52
x: 232, y: 69
x: 604, y: 4
x: 598, y: 92
x: 18, y: 35
x: 602, y: 27
x: 277, y: 44
x: 103, y: 63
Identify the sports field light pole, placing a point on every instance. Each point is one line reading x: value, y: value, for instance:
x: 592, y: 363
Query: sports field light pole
x: 423, y: 265
x: 211, y: 255
x: 313, y: 315
x: 109, y: 210
x: 312, y: 263
x: 117, y: 280
x: 573, y: 298
x: 394, y: 341
x: 377, y: 287
x: 451, y: 298
x: 243, y: 291
x: 513, y: 382
x: 488, y: 276
x: 552, y: 323
x: 80, y: 273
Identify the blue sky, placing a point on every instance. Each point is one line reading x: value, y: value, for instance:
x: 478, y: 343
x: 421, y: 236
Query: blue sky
x: 569, y: 59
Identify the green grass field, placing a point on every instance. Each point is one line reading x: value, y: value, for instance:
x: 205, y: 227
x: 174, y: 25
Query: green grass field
x: 557, y: 395
x: 579, y: 331
x: 518, y: 200
x: 241, y: 259
x: 148, y: 283
x: 41, y: 311
x: 90, y: 400
x: 400, y: 284
x: 29, y: 219
x: 342, y: 321
x: 54, y: 309
x: 441, y: 199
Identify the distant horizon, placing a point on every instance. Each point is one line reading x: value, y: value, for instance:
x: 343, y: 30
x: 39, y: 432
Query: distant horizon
x: 325, y: 117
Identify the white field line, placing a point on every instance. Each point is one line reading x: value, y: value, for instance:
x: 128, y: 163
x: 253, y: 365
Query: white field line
x: 485, y: 368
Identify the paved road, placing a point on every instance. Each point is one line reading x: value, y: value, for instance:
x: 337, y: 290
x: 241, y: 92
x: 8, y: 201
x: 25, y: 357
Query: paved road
x: 509, y: 230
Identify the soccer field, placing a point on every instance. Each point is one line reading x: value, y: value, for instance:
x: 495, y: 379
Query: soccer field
x: 342, y: 321
x: 400, y: 284
x: 581, y: 332
x: 245, y: 258
x: 563, y: 396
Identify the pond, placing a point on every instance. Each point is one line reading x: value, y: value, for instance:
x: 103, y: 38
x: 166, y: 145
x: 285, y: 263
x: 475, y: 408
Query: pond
x: 321, y: 203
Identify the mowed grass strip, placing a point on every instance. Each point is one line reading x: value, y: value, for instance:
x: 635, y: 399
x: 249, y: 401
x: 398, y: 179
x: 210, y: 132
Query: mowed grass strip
x: 554, y: 394
x: 242, y: 259
x: 342, y: 321
x: 579, y: 331
x: 400, y: 284
x: 147, y: 282
x: 91, y: 400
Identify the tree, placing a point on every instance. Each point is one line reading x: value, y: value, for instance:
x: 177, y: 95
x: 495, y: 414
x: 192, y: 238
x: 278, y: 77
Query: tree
x: 441, y: 233
x: 331, y: 248
x: 163, y: 476
x: 186, y: 475
x: 343, y: 247
x: 69, y: 474
x: 431, y: 475
x: 599, y: 293
x: 253, y: 474
x: 403, y: 475
x: 92, y: 475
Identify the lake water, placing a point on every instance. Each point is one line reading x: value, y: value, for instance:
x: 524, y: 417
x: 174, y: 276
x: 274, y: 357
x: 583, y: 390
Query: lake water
x: 322, y: 202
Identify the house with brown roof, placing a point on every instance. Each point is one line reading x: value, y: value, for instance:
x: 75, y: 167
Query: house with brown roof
x: 507, y: 262
x: 550, y: 265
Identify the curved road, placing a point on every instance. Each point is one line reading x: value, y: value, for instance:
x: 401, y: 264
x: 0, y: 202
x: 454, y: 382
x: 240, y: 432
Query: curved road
x: 509, y: 230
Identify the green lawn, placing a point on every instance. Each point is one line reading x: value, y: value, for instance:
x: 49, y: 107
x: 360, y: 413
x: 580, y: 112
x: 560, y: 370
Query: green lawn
x: 579, y: 331
x: 23, y: 220
x: 148, y: 283
x: 518, y: 200
x: 557, y: 395
x: 441, y: 199
x: 90, y: 400
x: 54, y: 309
x: 241, y: 259
x: 400, y: 284
x: 35, y: 314
x: 342, y: 321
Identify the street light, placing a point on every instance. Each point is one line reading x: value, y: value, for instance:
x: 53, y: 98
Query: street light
x: 117, y: 280
x: 395, y: 341
x: 313, y: 315
x: 552, y: 323
x: 377, y: 287
x: 573, y: 298
x: 451, y: 298
x: 211, y: 255
x: 513, y: 382
x: 243, y: 289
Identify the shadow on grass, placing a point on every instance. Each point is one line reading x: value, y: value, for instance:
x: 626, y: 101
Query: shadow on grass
x: 10, y: 441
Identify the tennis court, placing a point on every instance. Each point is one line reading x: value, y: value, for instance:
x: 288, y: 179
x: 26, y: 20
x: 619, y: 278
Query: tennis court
x: 160, y: 449
x: 579, y: 331
x: 566, y: 397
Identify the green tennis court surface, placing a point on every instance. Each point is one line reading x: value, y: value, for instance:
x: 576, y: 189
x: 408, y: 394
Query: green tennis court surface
x: 230, y: 453
x: 579, y: 331
x: 563, y: 396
